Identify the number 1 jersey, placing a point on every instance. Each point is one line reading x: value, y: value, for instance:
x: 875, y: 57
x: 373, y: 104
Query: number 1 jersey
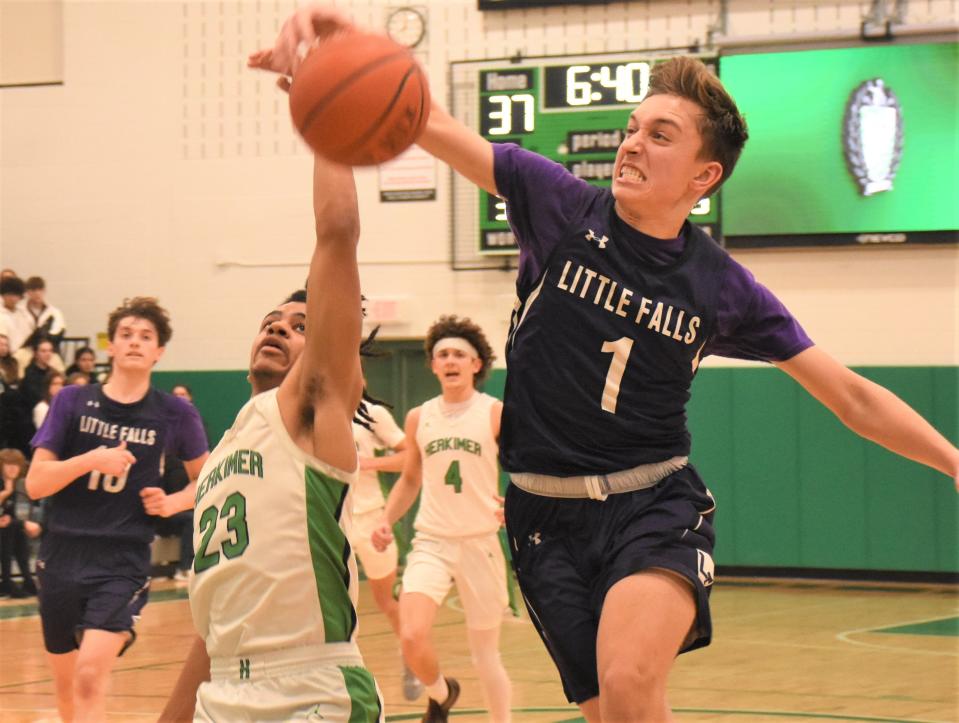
x: 611, y: 324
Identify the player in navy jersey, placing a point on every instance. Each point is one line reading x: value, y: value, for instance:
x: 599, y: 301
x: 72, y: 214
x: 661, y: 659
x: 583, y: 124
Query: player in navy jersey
x: 619, y: 299
x: 99, y: 459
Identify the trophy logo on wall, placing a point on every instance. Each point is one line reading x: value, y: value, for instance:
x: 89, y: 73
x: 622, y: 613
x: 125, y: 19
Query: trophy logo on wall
x: 872, y: 136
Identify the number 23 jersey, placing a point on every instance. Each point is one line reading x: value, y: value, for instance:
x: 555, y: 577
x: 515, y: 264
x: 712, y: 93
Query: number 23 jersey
x: 272, y: 565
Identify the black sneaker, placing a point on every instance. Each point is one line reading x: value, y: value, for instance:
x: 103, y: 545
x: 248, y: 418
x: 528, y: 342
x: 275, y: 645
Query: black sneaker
x: 439, y: 712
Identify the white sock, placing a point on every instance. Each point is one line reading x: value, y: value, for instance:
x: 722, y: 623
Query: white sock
x: 439, y: 690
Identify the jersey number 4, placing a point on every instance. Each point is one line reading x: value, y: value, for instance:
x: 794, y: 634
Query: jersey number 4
x: 234, y: 512
x: 453, y: 476
x: 620, y: 350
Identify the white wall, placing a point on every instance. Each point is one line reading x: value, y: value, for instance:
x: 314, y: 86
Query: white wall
x: 164, y: 167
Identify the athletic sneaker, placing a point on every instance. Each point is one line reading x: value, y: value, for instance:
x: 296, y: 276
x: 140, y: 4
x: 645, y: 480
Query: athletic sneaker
x: 181, y: 576
x: 412, y: 687
x: 439, y: 712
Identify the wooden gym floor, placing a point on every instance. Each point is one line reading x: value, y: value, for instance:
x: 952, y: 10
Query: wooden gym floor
x: 782, y: 651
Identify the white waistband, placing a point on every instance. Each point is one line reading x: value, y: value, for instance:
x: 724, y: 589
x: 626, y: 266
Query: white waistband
x: 275, y: 662
x: 599, y: 486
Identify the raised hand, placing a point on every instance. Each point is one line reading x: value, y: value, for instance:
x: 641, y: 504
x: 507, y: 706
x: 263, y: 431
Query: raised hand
x: 299, y: 33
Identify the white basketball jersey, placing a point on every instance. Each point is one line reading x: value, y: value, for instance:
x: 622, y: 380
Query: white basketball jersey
x: 459, y: 469
x: 383, y: 434
x: 273, y: 568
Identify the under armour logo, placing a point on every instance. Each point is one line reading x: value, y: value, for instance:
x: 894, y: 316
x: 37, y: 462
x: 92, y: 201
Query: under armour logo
x: 535, y: 538
x: 92, y: 403
x: 600, y: 240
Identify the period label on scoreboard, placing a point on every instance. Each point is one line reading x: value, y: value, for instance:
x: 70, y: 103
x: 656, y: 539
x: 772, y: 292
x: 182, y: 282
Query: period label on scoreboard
x: 573, y: 111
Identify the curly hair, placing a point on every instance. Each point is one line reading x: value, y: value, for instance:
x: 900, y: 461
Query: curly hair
x: 142, y: 307
x: 451, y: 325
x: 721, y: 125
x: 14, y: 456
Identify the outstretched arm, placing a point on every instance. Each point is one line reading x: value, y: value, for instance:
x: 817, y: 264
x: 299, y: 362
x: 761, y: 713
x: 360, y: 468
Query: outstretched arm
x: 872, y: 411
x: 321, y: 393
x: 462, y: 148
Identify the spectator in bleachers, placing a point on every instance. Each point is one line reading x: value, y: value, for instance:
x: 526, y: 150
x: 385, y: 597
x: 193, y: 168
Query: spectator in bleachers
x: 53, y: 383
x: 47, y: 320
x: 77, y: 378
x: 33, y: 385
x: 16, y: 319
x: 15, y: 426
x: 8, y: 273
x: 14, y: 527
x: 84, y: 362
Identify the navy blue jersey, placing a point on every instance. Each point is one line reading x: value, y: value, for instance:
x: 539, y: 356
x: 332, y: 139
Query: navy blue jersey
x: 611, y: 325
x: 83, y: 418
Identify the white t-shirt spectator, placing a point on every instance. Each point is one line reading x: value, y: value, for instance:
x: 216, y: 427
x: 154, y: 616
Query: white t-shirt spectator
x: 40, y: 413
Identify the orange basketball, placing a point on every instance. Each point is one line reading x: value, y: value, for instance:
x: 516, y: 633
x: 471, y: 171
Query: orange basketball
x: 359, y: 99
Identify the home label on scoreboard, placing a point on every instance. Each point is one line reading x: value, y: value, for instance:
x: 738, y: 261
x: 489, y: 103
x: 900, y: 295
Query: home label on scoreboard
x: 573, y: 110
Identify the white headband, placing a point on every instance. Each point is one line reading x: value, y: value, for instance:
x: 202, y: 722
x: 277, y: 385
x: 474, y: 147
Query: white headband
x: 455, y: 342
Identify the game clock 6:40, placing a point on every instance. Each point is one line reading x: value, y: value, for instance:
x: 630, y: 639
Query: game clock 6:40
x: 580, y: 86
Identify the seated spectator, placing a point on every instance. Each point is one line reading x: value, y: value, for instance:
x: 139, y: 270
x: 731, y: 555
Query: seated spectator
x: 8, y: 273
x: 16, y: 428
x: 14, y: 528
x: 47, y: 320
x: 16, y: 319
x: 53, y: 383
x: 77, y: 378
x: 84, y: 362
x: 33, y: 386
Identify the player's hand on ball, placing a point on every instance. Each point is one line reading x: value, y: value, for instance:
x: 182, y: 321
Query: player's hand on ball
x: 382, y: 536
x: 299, y: 33
x: 157, y: 502
x: 114, y: 461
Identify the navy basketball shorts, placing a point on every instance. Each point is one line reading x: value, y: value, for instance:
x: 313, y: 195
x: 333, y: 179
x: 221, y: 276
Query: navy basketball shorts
x: 89, y: 584
x: 568, y: 553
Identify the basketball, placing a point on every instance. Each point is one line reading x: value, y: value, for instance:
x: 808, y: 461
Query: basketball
x: 359, y: 99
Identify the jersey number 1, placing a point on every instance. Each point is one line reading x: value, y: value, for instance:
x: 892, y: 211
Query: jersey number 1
x: 620, y: 350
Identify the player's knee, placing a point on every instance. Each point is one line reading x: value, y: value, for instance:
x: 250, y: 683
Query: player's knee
x: 637, y: 681
x: 413, y: 634
x: 88, y: 681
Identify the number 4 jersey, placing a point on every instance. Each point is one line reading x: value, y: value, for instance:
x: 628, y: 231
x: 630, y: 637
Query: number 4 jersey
x: 272, y: 565
x: 611, y: 324
x: 83, y: 418
x: 460, y: 474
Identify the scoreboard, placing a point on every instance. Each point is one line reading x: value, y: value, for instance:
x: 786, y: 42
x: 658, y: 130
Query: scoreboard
x: 571, y: 109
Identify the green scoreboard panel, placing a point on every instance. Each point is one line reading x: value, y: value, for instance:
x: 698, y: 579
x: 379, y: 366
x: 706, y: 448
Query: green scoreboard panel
x: 571, y: 109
